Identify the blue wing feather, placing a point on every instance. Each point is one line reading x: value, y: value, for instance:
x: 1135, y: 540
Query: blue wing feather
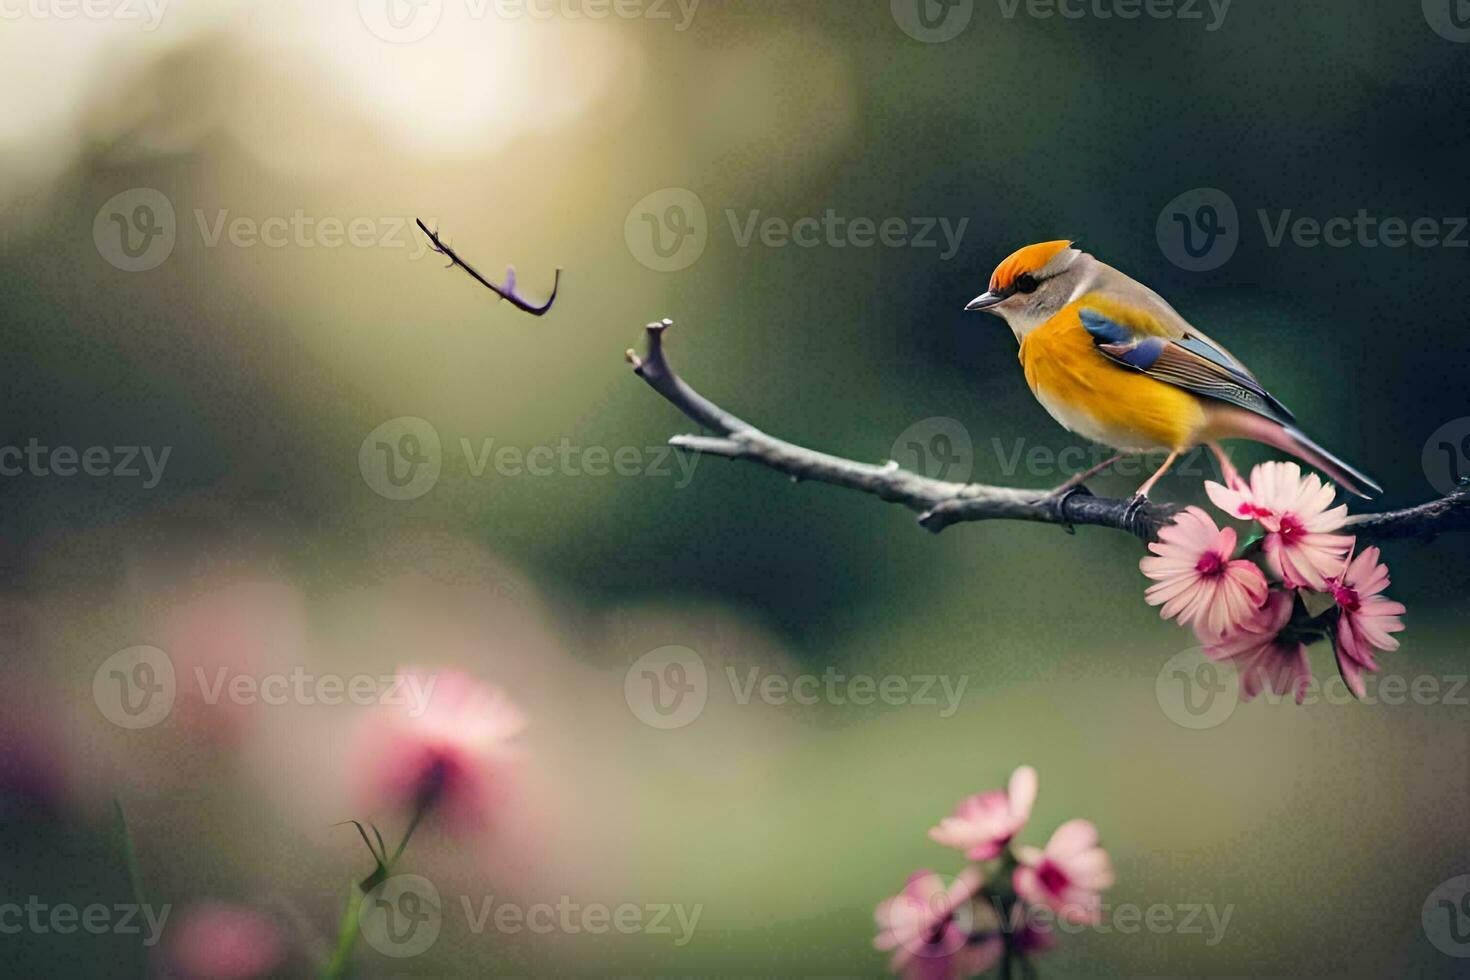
x: 1187, y: 362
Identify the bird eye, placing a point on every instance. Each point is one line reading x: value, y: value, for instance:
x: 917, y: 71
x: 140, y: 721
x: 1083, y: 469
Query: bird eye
x: 1026, y: 283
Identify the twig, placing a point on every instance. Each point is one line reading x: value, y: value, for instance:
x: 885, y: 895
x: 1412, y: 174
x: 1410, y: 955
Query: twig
x: 507, y: 291
x: 941, y: 503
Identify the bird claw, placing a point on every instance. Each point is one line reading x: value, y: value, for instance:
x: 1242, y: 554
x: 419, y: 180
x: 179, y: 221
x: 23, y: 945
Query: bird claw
x: 1136, y: 504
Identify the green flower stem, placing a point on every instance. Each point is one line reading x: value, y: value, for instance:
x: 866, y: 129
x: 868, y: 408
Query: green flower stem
x: 347, y: 931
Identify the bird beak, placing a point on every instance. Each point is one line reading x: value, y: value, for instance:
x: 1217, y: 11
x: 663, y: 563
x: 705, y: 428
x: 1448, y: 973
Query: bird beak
x: 984, y: 301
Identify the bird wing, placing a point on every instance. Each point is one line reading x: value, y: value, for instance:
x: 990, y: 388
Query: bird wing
x: 1189, y: 360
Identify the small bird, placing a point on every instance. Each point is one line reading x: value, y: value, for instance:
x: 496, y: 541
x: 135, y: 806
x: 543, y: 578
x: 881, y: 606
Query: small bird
x: 1110, y: 360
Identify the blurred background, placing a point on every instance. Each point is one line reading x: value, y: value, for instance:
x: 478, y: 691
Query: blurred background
x: 320, y: 454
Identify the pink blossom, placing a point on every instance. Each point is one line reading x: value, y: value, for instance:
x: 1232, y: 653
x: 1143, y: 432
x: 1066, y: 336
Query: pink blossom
x: 35, y: 767
x: 1068, y: 875
x: 1265, y: 660
x: 444, y: 747
x: 223, y: 941
x: 1365, y: 617
x: 927, y: 926
x: 1298, y: 516
x: 983, y: 824
x: 1198, y: 582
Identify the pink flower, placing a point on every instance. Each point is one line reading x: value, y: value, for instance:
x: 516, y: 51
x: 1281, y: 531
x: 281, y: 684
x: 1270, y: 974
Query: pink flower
x: 927, y: 926
x: 443, y: 747
x: 222, y: 941
x: 1197, y: 580
x: 983, y: 824
x: 1365, y: 618
x: 1069, y: 875
x: 1295, y: 512
x: 1262, y: 657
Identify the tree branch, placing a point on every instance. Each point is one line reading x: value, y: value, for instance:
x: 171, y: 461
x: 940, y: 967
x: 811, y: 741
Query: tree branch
x: 507, y: 291
x: 941, y: 503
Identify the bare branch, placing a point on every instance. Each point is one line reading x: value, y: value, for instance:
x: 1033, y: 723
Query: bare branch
x: 941, y: 503
x: 507, y: 291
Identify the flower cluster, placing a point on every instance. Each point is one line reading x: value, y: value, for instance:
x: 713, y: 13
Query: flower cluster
x: 962, y: 927
x: 1294, y: 582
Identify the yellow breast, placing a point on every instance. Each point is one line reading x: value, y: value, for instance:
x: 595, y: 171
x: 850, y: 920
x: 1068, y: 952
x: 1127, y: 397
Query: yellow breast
x: 1101, y: 400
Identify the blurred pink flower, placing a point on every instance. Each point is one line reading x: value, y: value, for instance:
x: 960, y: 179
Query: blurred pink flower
x: 1069, y: 875
x: 983, y: 824
x: 1262, y: 658
x: 224, y: 941
x: 920, y: 926
x: 1298, y: 516
x: 444, y: 747
x: 35, y: 767
x: 245, y: 627
x: 1365, y: 617
x: 1198, y: 582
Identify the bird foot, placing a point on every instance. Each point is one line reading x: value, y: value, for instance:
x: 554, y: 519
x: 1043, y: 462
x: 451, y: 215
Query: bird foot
x: 1136, y: 504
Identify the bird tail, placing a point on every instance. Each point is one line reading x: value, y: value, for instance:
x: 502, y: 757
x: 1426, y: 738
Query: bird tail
x: 1292, y: 440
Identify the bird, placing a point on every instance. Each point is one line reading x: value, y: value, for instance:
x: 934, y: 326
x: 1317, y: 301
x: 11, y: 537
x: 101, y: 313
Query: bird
x: 1112, y: 361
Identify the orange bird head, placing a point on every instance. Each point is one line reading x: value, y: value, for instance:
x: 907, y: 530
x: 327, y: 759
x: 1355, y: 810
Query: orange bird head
x: 1032, y: 283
